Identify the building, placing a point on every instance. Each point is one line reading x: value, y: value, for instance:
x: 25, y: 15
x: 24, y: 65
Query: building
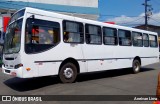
x: 80, y: 8
x: 150, y: 28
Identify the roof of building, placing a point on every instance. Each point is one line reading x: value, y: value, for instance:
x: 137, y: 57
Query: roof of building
x: 150, y: 26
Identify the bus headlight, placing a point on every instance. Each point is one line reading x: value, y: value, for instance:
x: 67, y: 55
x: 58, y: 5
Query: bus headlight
x: 18, y: 65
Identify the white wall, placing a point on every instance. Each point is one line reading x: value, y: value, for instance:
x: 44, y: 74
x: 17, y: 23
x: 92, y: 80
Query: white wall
x: 83, y: 3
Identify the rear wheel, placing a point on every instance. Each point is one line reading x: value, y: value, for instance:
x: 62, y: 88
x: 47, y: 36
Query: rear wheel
x: 136, y: 66
x: 68, y: 73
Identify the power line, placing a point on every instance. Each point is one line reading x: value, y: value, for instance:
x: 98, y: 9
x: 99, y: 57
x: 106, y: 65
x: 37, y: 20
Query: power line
x: 131, y: 21
x: 132, y: 25
x: 155, y: 20
x: 115, y: 15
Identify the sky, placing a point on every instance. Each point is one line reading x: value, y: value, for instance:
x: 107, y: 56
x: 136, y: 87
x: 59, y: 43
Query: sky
x: 128, y: 12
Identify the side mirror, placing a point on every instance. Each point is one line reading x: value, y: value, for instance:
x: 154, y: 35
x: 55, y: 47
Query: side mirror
x: 32, y: 16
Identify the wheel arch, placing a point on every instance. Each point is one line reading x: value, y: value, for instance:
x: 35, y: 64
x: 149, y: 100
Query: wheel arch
x: 72, y: 60
x: 138, y: 58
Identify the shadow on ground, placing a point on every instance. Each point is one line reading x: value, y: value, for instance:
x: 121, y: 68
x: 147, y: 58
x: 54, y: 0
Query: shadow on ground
x: 108, y: 74
x: 28, y: 84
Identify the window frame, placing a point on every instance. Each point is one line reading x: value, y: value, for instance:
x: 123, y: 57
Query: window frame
x: 146, y: 40
x: 116, y: 36
x: 124, y: 38
x: 81, y: 33
x: 133, y: 39
x: 87, y: 24
x: 38, y: 24
x: 154, y: 41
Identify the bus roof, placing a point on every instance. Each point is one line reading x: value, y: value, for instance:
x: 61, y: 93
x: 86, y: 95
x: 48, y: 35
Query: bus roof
x: 78, y: 19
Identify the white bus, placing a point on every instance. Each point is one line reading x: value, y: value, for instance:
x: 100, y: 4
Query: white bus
x: 42, y: 43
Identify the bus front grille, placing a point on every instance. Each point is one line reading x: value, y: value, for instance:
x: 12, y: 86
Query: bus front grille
x: 9, y: 58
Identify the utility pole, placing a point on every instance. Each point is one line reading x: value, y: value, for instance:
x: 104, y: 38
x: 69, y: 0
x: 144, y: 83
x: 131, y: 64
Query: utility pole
x: 148, y: 9
x: 146, y: 16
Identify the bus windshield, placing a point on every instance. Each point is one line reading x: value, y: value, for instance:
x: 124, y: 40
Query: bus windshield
x: 13, y: 37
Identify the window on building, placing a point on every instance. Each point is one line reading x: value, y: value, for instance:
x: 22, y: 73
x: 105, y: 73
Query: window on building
x: 145, y: 40
x: 124, y: 37
x: 73, y: 32
x: 153, y: 41
x: 93, y: 34
x: 137, y: 39
x: 110, y: 36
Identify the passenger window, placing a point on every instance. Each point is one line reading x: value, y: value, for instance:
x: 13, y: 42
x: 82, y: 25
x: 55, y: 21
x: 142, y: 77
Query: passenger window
x: 145, y: 40
x: 153, y: 41
x: 73, y: 32
x: 110, y: 36
x: 93, y: 34
x: 137, y: 39
x: 41, y: 35
x: 124, y: 37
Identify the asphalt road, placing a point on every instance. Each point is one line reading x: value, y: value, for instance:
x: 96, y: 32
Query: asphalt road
x: 114, y: 82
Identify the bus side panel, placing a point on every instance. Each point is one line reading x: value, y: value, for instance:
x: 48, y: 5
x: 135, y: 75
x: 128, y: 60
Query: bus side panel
x: 94, y: 54
x: 30, y: 68
x: 71, y: 50
x: 123, y: 56
x: 150, y: 56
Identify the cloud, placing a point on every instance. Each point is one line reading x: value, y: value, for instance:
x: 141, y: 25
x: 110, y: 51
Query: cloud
x: 154, y: 19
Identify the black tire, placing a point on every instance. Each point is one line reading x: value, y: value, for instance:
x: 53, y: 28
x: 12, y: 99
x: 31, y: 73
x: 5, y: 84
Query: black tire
x: 136, y: 66
x: 68, y: 73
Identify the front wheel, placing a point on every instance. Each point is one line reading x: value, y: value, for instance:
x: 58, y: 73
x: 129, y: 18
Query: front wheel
x: 68, y: 73
x: 136, y: 66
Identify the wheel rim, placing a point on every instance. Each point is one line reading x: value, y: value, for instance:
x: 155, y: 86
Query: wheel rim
x: 68, y: 73
x: 136, y: 67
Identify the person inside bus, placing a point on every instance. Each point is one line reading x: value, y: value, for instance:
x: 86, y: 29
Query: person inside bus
x: 67, y: 38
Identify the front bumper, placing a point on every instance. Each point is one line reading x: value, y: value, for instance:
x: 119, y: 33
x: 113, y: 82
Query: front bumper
x: 13, y: 72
